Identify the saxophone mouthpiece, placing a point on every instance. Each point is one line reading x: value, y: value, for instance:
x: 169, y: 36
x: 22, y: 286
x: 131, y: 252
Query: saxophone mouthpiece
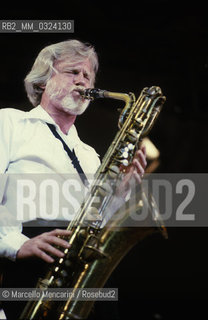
x: 92, y: 93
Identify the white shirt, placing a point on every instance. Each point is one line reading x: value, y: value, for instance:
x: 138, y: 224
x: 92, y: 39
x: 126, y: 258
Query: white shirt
x: 27, y: 146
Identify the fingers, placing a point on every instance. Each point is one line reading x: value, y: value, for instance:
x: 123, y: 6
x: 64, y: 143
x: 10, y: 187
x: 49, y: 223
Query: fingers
x: 139, y: 164
x: 42, y: 255
x: 47, y: 248
x: 136, y: 169
x: 140, y: 160
x: 143, y: 149
x: 43, y: 246
x: 54, y: 237
x: 124, y: 185
x: 60, y: 232
x: 56, y: 241
x: 51, y: 239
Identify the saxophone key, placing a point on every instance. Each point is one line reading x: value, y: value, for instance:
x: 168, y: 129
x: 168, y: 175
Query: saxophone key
x: 125, y: 162
x: 113, y: 171
x: 66, y: 251
x: 139, y: 123
x: 130, y: 146
x: 93, y: 214
x: 133, y: 135
x: 124, y: 153
x: 104, y: 189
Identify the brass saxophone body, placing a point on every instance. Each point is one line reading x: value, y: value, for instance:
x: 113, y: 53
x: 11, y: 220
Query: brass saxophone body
x: 96, y: 251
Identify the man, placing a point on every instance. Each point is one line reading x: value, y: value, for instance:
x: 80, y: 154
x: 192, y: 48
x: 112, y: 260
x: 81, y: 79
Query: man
x: 29, y: 146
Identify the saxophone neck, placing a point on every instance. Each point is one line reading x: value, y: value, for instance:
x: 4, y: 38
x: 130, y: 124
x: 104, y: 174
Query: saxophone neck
x: 95, y: 93
x: 118, y: 96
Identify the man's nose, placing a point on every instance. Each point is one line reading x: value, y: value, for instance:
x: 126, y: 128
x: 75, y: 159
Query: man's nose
x: 79, y: 79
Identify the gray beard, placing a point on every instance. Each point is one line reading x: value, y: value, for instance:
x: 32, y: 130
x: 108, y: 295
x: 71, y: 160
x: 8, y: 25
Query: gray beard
x: 68, y: 103
x: 75, y: 108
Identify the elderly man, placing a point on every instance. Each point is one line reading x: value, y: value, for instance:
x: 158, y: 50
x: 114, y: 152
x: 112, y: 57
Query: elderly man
x: 28, y: 142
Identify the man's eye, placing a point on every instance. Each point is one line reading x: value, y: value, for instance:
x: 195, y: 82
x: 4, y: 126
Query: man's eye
x: 71, y: 71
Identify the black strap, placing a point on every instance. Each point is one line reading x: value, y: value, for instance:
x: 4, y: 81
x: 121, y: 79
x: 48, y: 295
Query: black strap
x: 71, y: 155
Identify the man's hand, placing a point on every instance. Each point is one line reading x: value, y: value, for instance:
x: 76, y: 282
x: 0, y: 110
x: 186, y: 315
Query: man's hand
x: 136, y: 169
x: 42, y: 246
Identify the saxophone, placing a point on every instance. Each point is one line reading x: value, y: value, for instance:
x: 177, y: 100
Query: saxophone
x: 95, y: 250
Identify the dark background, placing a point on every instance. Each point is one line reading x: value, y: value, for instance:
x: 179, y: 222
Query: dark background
x: 139, y: 44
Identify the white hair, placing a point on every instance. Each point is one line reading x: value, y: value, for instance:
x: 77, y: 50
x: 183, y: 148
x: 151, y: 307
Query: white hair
x: 42, y: 68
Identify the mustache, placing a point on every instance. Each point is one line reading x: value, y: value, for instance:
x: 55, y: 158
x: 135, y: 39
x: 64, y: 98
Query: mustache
x: 58, y: 91
x: 80, y: 90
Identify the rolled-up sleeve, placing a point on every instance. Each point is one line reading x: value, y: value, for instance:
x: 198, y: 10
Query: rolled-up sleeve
x: 11, y: 243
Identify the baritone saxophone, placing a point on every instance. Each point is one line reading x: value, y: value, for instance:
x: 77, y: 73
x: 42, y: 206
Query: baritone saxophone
x: 95, y: 249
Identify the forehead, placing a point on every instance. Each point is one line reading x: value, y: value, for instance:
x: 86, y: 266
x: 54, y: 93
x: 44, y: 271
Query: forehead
x: 68, y: 63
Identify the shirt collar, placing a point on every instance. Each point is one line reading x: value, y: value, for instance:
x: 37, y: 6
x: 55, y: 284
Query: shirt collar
x: 40, y: 114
